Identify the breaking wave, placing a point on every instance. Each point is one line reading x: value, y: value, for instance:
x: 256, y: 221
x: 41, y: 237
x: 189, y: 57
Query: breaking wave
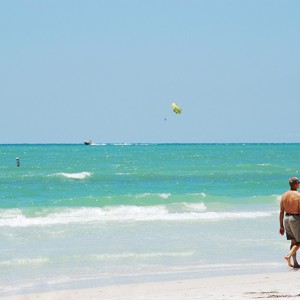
x: 125, y: 213
x: 81, y: 175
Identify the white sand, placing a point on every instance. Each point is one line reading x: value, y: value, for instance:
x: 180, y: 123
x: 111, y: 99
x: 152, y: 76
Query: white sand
x: 262, y: 286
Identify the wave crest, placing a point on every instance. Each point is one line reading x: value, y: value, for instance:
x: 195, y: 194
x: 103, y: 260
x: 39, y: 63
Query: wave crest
x: 81, y: 175
x: 126, y: 213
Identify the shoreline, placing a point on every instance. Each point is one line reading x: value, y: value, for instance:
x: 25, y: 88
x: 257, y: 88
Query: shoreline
x: 253, y: 286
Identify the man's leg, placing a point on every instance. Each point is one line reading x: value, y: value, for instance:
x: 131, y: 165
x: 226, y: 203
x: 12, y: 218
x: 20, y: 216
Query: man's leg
x: 292, y: 253
x: 296, y: 265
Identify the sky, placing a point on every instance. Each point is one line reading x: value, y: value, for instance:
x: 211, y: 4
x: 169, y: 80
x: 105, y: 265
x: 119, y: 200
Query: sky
x: 108, y: 71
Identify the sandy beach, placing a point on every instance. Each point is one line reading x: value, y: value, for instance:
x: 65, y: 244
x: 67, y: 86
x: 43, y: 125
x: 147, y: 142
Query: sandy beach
x: 260, y: 286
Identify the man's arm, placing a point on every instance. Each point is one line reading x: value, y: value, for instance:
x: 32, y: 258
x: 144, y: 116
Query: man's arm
x: 281, y: 216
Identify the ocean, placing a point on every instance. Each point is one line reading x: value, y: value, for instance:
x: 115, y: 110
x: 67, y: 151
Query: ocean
x: 76, y: 216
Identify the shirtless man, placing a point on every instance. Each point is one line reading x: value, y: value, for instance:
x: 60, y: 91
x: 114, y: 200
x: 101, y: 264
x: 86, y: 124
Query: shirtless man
x: 289, y: 219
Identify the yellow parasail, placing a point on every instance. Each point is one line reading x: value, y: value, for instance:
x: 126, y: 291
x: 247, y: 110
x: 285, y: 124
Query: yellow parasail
x: 176, y: 108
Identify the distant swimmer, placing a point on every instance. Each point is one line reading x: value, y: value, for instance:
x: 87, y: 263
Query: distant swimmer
x: 18, y: 161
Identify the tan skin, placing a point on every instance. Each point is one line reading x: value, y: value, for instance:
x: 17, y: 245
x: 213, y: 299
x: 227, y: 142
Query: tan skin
x: 294, y: 248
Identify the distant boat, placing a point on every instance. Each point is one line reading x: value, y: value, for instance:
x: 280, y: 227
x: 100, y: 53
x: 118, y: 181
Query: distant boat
x: 88, y: 142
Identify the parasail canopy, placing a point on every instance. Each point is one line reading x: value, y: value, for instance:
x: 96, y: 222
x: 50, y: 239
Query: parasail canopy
x: 176, y: 108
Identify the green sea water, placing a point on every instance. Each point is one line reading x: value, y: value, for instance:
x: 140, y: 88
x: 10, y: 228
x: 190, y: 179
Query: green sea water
x: 77, y: 215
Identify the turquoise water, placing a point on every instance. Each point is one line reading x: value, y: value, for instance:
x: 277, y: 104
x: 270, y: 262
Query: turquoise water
x: 76, y: 215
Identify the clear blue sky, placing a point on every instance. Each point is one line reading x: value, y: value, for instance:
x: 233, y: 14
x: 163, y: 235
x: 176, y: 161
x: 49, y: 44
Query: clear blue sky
x: 109, y: 70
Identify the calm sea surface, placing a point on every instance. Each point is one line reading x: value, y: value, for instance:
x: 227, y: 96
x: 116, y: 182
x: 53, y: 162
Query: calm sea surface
x: 83, y: 216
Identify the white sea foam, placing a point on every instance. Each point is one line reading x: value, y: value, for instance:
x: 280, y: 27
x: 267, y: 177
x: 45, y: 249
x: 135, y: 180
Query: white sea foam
x: 220, y: 266
x: 16, y: 287
x: 124, y: 174
x: 162, y: 195
x: 126, y: 213
x: 133, y: 255
x: 165, y: 195
x: 24, y: 261
x: 81, y: 175
x: 197, y: 207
